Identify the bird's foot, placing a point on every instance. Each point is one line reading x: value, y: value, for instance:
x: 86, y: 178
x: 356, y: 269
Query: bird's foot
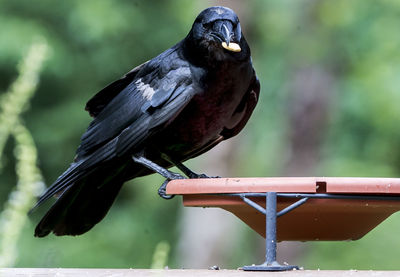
x: 162, y: 191
x: 193, y: 175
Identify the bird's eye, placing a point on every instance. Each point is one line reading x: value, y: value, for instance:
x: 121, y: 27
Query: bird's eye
x: 207, y: 25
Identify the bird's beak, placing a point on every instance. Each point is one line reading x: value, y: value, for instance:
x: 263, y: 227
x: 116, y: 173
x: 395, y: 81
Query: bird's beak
x: 225, y: 34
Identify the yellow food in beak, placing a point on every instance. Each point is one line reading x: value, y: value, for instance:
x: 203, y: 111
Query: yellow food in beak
x: 234, y: 47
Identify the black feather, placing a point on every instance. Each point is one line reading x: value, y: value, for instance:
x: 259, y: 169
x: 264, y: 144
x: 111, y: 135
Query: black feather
x: 181, y: 103
x: 81, y: 205
x: 97, y: 103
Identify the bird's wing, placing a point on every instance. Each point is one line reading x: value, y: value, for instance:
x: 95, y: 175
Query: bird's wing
x: 149, y: 102
x: 243, y: 111
x: 161, y: 85
x: 97, y: 103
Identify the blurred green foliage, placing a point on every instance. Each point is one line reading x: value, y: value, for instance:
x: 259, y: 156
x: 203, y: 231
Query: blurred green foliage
x: 95, y: 42
x: 29, y: 178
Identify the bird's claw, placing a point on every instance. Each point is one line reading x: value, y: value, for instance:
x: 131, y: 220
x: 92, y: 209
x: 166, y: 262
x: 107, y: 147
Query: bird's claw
x: 162, y: 191
x: 201, y: 176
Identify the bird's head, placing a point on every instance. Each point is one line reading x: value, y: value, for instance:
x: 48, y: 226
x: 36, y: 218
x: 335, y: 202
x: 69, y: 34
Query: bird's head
x: 216, y: 32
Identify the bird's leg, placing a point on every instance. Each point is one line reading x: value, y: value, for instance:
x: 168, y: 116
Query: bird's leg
x: 169, y: 175
x: 156, y: 168
x: 187, y: 171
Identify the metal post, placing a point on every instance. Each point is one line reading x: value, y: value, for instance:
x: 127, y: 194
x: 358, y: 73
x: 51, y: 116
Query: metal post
x: 270, y: 263
x: 270, y: 234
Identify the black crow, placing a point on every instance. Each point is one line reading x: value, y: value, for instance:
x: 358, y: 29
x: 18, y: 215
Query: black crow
x: 174, y: 107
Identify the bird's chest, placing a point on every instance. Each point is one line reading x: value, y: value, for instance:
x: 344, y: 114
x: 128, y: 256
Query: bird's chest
x: 207, y: 114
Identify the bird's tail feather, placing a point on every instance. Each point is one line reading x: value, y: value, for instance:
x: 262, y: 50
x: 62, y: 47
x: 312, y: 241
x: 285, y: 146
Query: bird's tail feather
x: 70, y: 176
x: 82, y: 204
x: 77, y: 171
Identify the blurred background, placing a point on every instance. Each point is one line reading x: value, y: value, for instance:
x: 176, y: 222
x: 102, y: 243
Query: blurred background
x: 330, y: 91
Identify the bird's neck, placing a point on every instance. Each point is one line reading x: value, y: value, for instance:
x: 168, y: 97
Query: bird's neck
x: 197, y: 56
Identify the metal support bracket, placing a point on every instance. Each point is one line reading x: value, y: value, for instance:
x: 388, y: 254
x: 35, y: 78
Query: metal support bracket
x: 270, y: 263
